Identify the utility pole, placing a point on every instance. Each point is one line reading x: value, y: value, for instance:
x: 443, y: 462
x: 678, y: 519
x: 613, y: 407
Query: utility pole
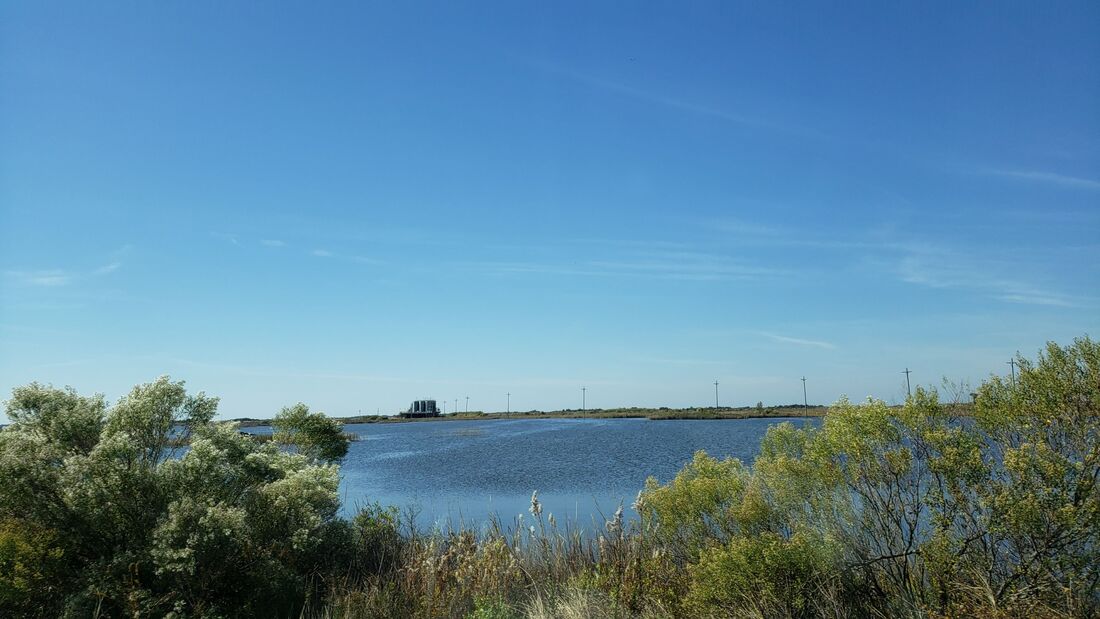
x: 456, y: 406
x: 1012, y: 363
x: 716, y: 396
x: 907, y: 388
x: 509, y: 409
x: 467, y: 404
x: 805, y: 404
x: 583, y: 390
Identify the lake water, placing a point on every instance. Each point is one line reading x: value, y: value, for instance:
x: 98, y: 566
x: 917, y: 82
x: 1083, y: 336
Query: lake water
x: 463, y: 471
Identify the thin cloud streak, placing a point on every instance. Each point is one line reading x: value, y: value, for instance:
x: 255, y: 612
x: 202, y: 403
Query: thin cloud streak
x: 108, y: 268
x: 912, y: 262
x: 225, y: 236
x: 637, y: 269
x: 1048, y: 177
x: 56, y: 278
x: 672, y: 102
x: 51, y: 278
x: 663, y: 361
x: 1036, y: 299
x: 798, y: 341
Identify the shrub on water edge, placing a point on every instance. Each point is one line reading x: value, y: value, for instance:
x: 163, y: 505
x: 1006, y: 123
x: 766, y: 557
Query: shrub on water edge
x: 228, y: 527
x: 379, y: 547
x: 923, y: 513
x: 313, y: 435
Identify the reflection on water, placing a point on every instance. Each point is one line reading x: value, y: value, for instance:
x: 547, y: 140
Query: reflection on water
x: 463, y: 471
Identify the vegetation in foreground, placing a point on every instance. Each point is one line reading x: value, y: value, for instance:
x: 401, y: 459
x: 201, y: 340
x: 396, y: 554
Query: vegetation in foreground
x: 880, y: 512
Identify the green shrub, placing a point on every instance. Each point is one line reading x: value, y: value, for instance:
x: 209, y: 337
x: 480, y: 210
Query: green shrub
x: 772, y: 576
x: 698, y: 507
x: 32, y: 568
x: 228, y: 527
x: 922, y: 512
x: 312, y: 434
x: 379, y: 546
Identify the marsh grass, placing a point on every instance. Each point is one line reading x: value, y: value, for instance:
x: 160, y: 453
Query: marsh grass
x: 533, y: 566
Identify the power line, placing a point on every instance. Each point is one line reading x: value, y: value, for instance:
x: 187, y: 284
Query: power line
x: 1012, y: 364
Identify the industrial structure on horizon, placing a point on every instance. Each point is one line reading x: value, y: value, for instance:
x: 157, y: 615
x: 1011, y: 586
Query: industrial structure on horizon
x: 422, y: 408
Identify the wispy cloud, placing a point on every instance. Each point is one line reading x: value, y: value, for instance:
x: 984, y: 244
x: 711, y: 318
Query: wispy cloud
x: 912, y: 261
x: 1062, y: 180
x: 56, y: 278
x: 955, y: 270
x: 1036, y: 299
x: 319, y: 252
x: 771, y: 235
x: 49, y: 278
x: 671, y: 102
x: 675, y: 265
x: 116, y: 262
x: 741, y: 227
x: 108, y: 268
x: 228, y: 237
x: 665, y: 361
x: 798, y: 341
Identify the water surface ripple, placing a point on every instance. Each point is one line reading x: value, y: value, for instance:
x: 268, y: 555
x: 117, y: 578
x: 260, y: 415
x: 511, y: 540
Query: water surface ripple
x: 463, y: 471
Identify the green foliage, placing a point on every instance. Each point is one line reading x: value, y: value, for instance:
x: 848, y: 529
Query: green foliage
x: 492, y: 608
x: 1042, y: 504
x: 696, y: 508
x: 313, y: 434
x: 31, y: 559
x: 229, y: 527
x: 379, y: 547
x: 767, y: 573
x: 60, y: 417
x: 906, y: 511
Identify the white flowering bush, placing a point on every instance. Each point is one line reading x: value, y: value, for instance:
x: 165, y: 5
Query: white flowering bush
x: 149, y: 508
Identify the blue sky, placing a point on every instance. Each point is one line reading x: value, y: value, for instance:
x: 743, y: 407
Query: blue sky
x: 356, y: 206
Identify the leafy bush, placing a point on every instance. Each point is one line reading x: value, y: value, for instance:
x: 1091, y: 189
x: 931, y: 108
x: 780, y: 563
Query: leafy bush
x: 767, y: 574
x: 227, y: 527
x: 31, y: 562
x: 313, y: 435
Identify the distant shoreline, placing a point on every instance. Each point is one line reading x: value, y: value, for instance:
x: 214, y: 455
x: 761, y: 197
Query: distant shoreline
x: 656, y: 414
x: 653, y: 414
